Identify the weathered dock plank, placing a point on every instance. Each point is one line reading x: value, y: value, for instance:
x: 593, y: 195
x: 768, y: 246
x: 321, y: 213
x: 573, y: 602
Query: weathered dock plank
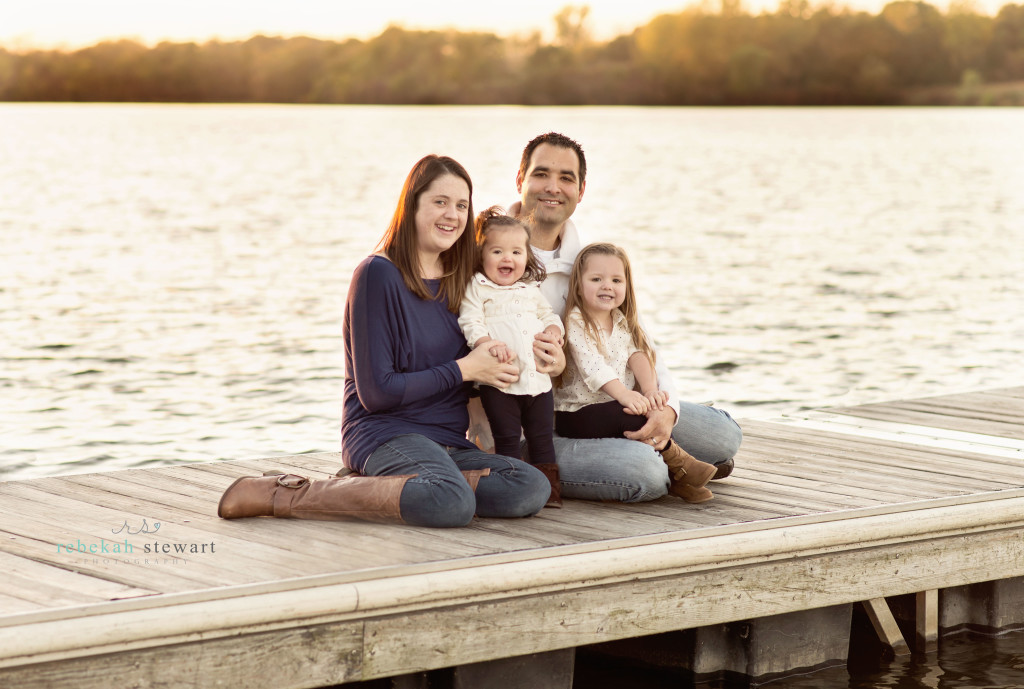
x: 875, y: 457
x: 990, y: 413
x: 32, y: 585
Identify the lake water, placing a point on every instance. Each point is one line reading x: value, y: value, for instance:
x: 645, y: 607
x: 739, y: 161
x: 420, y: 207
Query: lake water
x: 172, y: 277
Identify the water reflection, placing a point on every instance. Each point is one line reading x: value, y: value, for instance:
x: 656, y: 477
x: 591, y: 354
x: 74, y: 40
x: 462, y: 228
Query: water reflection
x: 963, y: 661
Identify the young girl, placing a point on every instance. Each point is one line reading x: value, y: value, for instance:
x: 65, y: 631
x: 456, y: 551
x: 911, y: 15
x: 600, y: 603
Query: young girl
x: 502, y: 310
x: 607, y: 355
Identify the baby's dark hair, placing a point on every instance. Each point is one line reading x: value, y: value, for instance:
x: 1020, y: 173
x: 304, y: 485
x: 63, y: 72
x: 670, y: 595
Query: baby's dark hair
x: 495, y: 218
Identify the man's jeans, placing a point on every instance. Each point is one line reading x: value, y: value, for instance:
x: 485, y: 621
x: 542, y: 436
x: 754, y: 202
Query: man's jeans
x: 439, y: 494
x: 630, y: 471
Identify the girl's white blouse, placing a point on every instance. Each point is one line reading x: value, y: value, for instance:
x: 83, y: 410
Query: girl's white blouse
x: 587, y: 368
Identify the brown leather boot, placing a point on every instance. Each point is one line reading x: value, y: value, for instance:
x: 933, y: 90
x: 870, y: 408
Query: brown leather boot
x: 550, y: 471
x: 690, y: 494
x: 688, y: 475
x: 369, y: 498
x: 249, y: 496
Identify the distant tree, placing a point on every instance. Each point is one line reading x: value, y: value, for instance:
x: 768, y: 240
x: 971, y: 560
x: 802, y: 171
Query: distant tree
x: 224, y: 72
x: 917, y: 48
x: 754, y: 75
x: 572, y: 29
x: 284, y: 71
x: 1006, y: 52
x: 967, y: 37
x: 847, y: 61
x: 8, y: 66
x: 172, y: 72
x: 671, y: 57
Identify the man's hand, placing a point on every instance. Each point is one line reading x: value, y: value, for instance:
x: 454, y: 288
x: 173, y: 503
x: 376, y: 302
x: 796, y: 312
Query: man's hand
x: 548, y: 354
x: 658, y: 428
x: 556, y: 332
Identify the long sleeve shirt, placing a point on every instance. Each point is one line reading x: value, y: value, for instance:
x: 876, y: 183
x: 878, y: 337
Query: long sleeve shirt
x: 589, y: 368
x: 400, y: 370
x: 512, y: 314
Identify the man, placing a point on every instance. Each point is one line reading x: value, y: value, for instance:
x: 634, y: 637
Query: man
x: 551, y: 182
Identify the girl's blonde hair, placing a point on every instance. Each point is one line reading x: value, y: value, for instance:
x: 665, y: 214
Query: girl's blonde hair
x: 628, y: 308
x: 495, y: 218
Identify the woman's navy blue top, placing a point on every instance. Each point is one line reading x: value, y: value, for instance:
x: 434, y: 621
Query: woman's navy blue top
x: 400, y: 370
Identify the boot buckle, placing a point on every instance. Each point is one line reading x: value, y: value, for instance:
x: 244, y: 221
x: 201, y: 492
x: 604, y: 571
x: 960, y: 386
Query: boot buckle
x: 292, y: 481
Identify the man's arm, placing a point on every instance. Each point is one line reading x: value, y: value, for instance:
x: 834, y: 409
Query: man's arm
x: 665, y: 382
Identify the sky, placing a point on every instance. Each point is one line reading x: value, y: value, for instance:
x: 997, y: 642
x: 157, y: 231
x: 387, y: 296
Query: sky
x: 26, y: 24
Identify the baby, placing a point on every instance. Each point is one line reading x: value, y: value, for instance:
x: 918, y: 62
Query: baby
x: 502, y: 310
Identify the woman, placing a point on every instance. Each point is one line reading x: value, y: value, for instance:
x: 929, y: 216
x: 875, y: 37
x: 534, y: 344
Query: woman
x: 407, y: 369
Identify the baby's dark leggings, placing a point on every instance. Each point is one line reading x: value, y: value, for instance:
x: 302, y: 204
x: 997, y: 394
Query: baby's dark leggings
x: 508, y: 414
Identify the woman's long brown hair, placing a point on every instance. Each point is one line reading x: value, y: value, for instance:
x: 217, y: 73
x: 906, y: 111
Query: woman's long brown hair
x: 399, y: 242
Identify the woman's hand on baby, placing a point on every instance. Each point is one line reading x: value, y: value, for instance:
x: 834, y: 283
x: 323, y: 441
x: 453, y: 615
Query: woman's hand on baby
x: 657, y: 398
x: 481, y: 367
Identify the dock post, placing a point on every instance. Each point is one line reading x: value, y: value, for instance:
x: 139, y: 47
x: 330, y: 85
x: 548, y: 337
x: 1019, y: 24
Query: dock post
x: 927, y: 621
x: 759, y: 649
x: 986, y: 607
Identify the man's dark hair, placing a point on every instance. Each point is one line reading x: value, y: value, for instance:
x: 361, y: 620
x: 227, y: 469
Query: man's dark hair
x: 555, y: 139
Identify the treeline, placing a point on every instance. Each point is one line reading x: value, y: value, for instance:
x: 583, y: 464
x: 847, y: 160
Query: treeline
x: 796, y: 55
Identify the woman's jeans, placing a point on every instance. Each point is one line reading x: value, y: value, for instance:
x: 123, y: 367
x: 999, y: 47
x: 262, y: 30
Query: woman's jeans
x: 438, y: 495
x: 626, y: 470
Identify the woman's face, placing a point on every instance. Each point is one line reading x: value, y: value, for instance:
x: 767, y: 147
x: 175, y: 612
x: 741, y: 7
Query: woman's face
x: 442, y: 210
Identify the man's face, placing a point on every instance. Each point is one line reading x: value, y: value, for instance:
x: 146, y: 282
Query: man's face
x: 551, y: 187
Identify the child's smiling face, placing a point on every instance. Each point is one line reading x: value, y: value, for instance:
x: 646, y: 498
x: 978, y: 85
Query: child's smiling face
x: 603, y: 283
x: 504, y: 254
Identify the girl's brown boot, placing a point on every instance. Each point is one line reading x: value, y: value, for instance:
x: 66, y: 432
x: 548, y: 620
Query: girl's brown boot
x: 688, y: 475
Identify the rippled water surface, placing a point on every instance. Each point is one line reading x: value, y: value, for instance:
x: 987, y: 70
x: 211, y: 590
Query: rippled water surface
x: 172, y: 278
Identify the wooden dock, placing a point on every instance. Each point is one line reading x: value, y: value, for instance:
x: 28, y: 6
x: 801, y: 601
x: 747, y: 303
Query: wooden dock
x: 130, y: 574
